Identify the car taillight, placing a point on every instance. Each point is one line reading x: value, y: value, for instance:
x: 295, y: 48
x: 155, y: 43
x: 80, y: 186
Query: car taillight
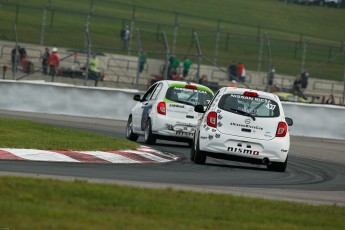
x: 161, y: 108
x: 190, y: 86
x: 212, y: 119
x: 281, y: 130
x: 250, y: 94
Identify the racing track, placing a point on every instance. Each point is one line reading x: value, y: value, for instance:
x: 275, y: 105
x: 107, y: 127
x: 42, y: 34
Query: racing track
x: 315, y: 173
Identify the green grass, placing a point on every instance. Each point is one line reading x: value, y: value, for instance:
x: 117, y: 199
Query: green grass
x: 51, y: 204
x: 29, y: 203
x: 28, y: 134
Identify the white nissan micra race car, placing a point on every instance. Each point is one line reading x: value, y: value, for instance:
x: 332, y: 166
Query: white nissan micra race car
x: 166, y: 111
x: 243, y: 125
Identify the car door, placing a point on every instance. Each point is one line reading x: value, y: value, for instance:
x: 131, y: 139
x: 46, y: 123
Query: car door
x: 143, y: 108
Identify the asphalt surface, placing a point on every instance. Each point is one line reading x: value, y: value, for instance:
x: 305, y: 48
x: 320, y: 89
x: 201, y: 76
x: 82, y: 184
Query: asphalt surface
x: 315, y: 173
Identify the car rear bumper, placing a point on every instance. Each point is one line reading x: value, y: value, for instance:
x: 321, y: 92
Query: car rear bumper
x: 254, y: 150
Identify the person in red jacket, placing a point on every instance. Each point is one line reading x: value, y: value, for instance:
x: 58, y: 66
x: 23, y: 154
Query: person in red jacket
x: 53, y: 62
x: 241, y: 72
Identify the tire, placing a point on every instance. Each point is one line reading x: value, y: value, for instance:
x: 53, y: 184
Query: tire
x: 190, y: 143
x: 278, y: 166
x: 149, y: 137
x: 192, y: 151
x: 199, y: 156
x: 129, y: 130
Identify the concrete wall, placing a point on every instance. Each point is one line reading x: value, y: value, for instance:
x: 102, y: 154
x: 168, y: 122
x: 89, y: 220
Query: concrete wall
x: 311, y: 120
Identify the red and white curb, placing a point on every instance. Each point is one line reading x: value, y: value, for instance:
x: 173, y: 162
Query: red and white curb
x: 142, y: 155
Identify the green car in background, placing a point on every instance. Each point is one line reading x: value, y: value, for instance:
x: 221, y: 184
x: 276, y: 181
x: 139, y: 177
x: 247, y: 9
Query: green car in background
x: 283, y: 96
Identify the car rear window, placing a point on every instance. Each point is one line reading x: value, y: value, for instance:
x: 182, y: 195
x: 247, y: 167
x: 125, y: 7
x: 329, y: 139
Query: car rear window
x: 188, y: 96
x: 255, y: 106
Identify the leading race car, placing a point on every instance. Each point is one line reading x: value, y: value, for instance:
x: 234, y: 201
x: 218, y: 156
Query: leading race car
x: 166, y: 111
x: 243, y: 125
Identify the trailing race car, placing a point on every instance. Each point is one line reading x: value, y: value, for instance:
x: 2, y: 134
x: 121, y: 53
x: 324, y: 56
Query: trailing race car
x: 243, y: 125
x: 166, y: 111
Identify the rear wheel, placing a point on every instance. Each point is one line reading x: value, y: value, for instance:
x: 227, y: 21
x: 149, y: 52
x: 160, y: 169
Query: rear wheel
x: 149, y: 137
x: 199, y: 156
x: 129, y: 130
x: 278, y: 166
x: 192, y: 151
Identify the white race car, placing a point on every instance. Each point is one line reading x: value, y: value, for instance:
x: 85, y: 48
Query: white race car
x: 166, y: 111
x: 243, y: 125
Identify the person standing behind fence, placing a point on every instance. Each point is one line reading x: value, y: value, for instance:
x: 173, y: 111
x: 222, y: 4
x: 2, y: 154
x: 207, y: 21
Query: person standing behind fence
x: 232, y: 70
x: 241, y: 72
x: 186, y: 66
x: 15, y: 58
x: 304, y: 80
x: 125, y: 36
x: 53, y: 62
x: 45, y: 57
x: 142, y: 62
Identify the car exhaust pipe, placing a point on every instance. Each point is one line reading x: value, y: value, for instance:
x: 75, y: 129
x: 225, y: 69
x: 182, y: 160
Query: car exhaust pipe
x: 266, y: 161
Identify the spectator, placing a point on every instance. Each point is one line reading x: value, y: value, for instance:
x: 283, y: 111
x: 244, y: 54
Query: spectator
x: 45, y: 57
x: 232, y: 69
x: 241, y: 72
x: 203, y: 79
x: 125, y: 36
x: 296, y: 88
x: 22, y: 53
x: 186, y: 66
x: 271, y: 76
x: 176, y: 63
x: 304, y: 80
x: 94, y: 72
x: 330, y: 100
x: 233, y: 83
x: 15, y: 58
x: 53, y: 62
x: 142, y: 61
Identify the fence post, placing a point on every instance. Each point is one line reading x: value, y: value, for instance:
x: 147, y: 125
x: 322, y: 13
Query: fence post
x: 132, y: 28
x: 166, y: 55
x: 260, y: 53
x: 304, y: 55
x: 175, y: 33
x: 139, y: 46
x: 15, y: 64
x: 17, y: 15
x: 197, y: 77
x: 217, y: 41
x: 43, y: 25
x: 88, y: 49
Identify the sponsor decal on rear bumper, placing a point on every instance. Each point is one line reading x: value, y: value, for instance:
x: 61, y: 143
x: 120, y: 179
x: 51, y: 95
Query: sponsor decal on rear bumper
x: 244, y: 151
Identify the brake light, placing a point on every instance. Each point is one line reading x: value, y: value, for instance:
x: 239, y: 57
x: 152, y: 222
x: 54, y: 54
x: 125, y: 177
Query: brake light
x: 212, y: 119
x: 250, y: 94
x: 281, y: 130
x: 161, y: 108
x: 190, y: 86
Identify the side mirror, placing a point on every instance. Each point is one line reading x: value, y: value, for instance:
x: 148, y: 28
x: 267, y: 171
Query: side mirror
x: 136, y: 97
x: 199, y: 109
x: 289, y: 121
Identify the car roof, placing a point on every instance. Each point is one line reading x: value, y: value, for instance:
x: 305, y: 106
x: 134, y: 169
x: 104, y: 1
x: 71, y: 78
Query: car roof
x: 262, y: 94
x: 183, y: 83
